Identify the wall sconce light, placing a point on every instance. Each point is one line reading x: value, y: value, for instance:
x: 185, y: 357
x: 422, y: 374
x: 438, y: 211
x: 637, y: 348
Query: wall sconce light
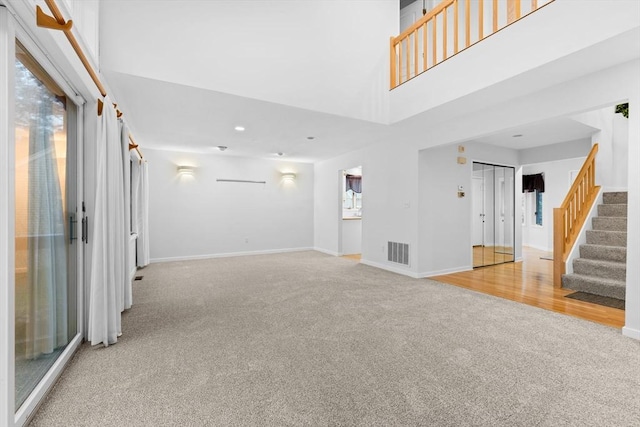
x: 185, y: 170
x: 289, y: 176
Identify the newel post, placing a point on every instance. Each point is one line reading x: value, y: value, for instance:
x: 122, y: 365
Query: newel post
x: 558, y: 247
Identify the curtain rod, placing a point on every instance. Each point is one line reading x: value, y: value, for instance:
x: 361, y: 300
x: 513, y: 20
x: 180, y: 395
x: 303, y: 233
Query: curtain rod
x: 134, y: 146
x: 57, y: 22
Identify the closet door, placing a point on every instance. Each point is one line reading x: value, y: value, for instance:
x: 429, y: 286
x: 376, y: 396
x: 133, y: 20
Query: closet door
x: 493, y: 214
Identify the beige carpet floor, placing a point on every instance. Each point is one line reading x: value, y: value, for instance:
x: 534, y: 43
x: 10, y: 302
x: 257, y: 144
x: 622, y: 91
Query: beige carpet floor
x: 308, y: 339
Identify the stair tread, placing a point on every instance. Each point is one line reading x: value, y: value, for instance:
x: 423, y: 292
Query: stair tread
x: 602, y: 262
x: 595, y: 245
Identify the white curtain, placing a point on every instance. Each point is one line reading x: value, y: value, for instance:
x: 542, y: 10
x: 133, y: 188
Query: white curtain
x: 47, y: 246
x: 108, y: 272
x: 126, y: 169
x: 141, y: 211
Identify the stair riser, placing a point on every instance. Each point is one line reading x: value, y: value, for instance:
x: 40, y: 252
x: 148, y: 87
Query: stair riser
x: 615, y: 198
x: 606, y: 238
x: 608, y: 223
x: 612, y: 210
x: 589, y: 268
x: 576, y: 283
x: 604, y: 253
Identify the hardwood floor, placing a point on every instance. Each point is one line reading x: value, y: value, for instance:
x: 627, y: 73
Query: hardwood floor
x: 355, y: 257
x: 531, y: 282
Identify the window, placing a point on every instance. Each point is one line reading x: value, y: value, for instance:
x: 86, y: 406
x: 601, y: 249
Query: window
x: 352, y: 196
x: 538, y: 211
x: 532, y: 209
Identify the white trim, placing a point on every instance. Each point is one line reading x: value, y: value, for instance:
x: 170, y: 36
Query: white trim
x: 29, y: 42
x: 582, y: 236
x: 79, y: 147
x: 390, y: 268
x: 445, y: 271
x: 29, y: 407
x: 7, y: 219
x: 540, y: 248
x: 44, y: 45
x: 229, y: 254
x: 326, y: 251
x: 631, y: 333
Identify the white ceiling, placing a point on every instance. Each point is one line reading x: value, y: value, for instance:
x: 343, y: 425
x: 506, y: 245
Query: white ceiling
x: 185, y: 73
x: 549, y: 132
x: 307, y: 54
x: 185, y: 118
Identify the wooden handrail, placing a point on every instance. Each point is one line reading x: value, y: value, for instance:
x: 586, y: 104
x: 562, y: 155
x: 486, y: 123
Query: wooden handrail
x: 436, y: 46
x: 425, y: 18
x: 569, y: 218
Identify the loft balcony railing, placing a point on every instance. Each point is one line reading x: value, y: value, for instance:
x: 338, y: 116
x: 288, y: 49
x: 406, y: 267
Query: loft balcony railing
x: 448, y: 29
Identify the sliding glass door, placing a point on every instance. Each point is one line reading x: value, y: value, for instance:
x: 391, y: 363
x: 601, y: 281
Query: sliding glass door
x: 493, y: 231
x: 45, y: 223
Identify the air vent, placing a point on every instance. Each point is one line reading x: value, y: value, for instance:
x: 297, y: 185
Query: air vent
x: 398, y: 252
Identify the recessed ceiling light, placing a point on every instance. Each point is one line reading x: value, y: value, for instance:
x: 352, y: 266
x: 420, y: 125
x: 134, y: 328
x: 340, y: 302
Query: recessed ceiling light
x: 517, y: 135
x: 311, y: 137
x: 222, y: 147
x: 280, y: 154
x: 239, y: 128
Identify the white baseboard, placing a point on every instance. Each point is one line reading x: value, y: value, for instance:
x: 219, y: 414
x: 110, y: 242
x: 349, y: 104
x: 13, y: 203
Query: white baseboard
x: 631, y: 333
x: 132, y: 274
x: 328, y: 252
x: 390, y: 268
x: 540, y: 248
x: 445, y: 271
x: 229, y: 254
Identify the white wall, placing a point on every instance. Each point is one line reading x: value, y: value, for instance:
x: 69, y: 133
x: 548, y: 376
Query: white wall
x: 389, y: 205
x: 328, y: 56
x: 197, y: 217
x: 553, y: 152
x: 613, y: 146
x: 632, y: 312
x: 351, y: 236
x: 445, y: 220
x: 556, y: 184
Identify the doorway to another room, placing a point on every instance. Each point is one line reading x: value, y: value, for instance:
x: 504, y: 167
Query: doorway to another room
x: 493, y: 213
x: 351, y: 213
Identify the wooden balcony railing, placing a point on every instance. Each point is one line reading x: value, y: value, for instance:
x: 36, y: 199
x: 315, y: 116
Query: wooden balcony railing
x: 569, y: 218
x: 449, y: 28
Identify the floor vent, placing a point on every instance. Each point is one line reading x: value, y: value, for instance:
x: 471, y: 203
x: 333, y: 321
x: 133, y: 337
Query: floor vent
x: 138, y: 278
x: 398, y: 252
